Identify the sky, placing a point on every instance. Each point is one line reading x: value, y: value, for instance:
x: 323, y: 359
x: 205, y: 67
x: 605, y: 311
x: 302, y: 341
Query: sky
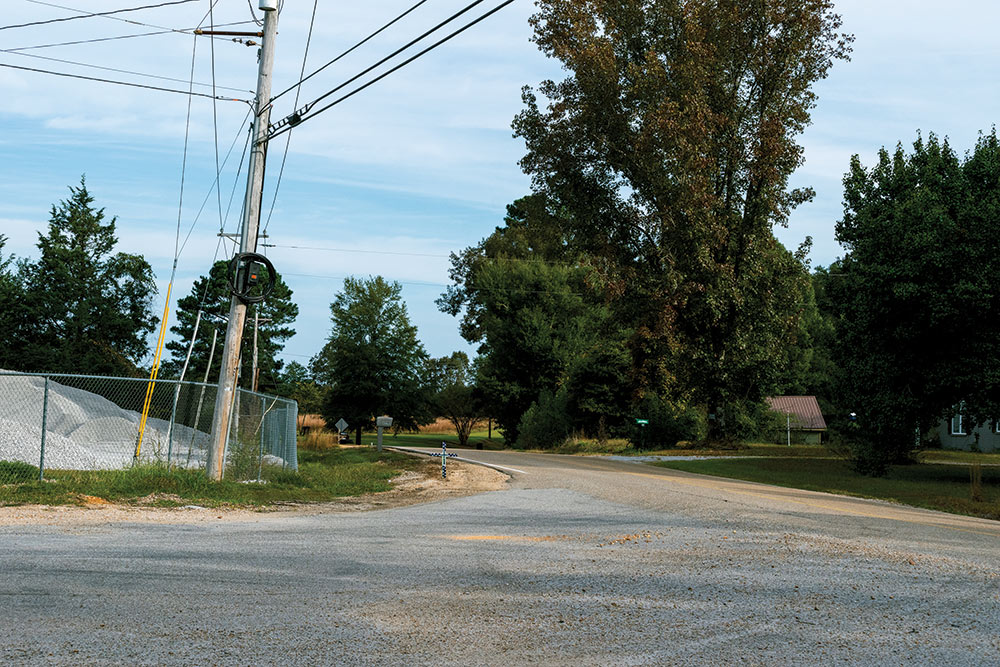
x: 417, y: 166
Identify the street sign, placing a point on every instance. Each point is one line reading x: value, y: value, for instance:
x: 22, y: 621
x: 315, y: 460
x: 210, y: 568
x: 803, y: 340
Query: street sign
x: 341, y: 425
x: 641, y: 422
x: 383, y: 422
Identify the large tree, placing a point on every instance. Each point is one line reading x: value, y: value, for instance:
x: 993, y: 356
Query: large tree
x: 211, y: 294
x: 86, y: 308
x: 669, y: 148
x: 373, y: 361
x: 919, y: 293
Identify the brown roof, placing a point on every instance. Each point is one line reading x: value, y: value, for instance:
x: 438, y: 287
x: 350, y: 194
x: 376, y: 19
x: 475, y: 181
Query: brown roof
x: 804, y: 410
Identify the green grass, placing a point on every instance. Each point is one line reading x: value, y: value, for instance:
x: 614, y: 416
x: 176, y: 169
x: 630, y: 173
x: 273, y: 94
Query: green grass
x: 322, y: 476
x: 625, y: 448
x: 958, y: 456
x: 933, y: 486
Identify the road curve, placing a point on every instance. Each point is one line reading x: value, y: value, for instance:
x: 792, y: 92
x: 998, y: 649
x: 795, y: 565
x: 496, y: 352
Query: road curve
x: 582, y: 560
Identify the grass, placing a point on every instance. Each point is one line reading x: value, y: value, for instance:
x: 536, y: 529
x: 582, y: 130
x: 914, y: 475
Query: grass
x: 958, y: 456
x: 625, y: 448
x: 933, y: 486
x: 322, y: 476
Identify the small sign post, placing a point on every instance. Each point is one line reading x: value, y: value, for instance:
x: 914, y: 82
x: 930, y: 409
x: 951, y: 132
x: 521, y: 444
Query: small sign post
x: 444, y: 459
x: 642, y: 432
x: 341, y: 428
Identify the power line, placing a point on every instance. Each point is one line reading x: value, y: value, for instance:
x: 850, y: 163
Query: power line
x: 348, y: 51
x: 288, y: 139
x: 298, y: 116
x: 87, y: 16
x: 121, y: 83
x: 420, y: 283
x: 534, y: 260
x: 119, y: 71
x: 165, y: 31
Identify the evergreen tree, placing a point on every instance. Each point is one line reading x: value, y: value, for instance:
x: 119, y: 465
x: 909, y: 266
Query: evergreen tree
x: 86, y: 308
x: 211, y: 294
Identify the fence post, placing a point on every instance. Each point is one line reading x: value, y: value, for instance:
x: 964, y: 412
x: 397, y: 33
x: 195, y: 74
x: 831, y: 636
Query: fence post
x: 260, y: 455
x: 45, y: 418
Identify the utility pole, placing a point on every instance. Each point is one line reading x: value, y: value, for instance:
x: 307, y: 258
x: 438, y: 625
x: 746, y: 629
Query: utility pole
x: 248, y: 243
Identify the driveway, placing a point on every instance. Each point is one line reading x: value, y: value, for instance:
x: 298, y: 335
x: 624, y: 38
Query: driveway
x: 581, y: 561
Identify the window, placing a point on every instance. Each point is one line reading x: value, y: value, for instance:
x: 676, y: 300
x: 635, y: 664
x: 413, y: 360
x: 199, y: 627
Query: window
x: 957, y: 427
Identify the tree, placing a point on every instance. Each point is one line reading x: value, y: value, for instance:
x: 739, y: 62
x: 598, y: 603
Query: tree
x: 298, y: 384
x: 11, y: 310
x: 919, y: 296
x: 668, y: 150
x: 212, y: 296
x: 86, y: 308
x: 373, y: 360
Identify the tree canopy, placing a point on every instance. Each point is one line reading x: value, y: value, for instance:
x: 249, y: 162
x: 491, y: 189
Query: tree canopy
x: 373, y: 361
x: 919, y: 293
x: 660, y: 165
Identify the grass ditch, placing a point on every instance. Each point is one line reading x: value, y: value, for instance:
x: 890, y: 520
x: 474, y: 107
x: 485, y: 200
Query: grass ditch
x: 958, y: 489
x: 322, y: 476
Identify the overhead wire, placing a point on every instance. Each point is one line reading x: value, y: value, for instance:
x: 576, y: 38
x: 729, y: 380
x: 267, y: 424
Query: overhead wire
x: 166, y: 31
x: 189, y: 93
x: 155, y: 369
x: 286, y: 124
x: 288, y: 139
x: 119, y: 71
x: 91, y: 15
x: 288, y: 120
x: 345, y: 53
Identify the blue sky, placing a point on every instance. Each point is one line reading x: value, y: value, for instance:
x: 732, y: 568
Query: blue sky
x: 419, y: 165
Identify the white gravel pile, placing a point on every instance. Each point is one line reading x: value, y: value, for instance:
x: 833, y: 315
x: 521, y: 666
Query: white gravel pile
x: 83, y: 431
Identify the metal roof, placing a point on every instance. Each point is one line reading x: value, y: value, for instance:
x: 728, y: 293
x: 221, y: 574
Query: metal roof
x: 804, y: 410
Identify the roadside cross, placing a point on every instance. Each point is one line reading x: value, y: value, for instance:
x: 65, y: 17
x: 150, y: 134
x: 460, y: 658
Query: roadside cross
x: 445, y: 455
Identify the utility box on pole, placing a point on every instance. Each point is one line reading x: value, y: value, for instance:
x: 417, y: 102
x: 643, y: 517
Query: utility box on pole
x: 224, y: 400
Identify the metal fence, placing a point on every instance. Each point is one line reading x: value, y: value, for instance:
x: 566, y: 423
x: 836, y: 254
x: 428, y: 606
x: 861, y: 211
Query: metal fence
x: 53, y: 424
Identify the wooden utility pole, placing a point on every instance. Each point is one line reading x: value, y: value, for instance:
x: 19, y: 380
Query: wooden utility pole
x: 248, y: 243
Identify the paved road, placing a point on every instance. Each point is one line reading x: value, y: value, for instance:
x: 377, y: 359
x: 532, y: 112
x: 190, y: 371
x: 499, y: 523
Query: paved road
x: 581, y: 561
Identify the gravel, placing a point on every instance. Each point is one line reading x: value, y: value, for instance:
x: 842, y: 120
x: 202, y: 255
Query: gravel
x: 539, y: 574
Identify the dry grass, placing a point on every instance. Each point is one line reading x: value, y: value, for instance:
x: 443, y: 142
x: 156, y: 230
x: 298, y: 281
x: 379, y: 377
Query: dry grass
x: 445, y: 427
x: 318, y: 440
x: 312, y: 422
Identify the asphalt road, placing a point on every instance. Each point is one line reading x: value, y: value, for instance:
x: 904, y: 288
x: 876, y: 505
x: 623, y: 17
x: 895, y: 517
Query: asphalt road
x: 582, y: 561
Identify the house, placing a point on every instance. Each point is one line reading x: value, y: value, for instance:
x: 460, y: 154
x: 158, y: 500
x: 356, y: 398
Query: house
x: 958, y: 433
x: 806, y: 421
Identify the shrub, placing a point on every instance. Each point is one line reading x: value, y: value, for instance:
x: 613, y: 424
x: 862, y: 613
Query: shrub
x: 669, y: 423
x: 546, y: 423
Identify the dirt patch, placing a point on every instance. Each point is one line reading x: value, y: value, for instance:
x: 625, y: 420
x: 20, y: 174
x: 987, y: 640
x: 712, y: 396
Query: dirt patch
x: 419, y: 485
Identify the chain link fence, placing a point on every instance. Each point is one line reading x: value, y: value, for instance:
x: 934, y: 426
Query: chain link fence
x: 51, y: 422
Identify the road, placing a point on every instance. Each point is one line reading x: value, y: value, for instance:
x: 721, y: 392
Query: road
x: 581, y: 561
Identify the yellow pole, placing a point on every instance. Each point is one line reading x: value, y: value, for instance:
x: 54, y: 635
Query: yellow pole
x: 154, y: 372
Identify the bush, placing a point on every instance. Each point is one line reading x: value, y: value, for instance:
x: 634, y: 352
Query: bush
x: 546, y: 424
x: 17, y: 472
x: 669, y: 423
